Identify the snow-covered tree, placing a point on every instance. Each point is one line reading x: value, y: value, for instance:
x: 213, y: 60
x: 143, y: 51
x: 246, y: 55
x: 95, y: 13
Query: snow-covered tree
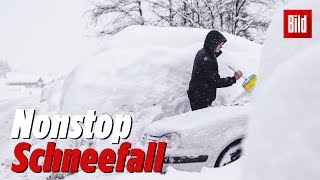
x: 116, y: 15
x: 4, y: 68
x: 189, y: 13
x: 240, y: 17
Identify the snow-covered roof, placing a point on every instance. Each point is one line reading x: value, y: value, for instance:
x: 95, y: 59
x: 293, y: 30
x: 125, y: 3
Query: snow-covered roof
x: 15, y: 77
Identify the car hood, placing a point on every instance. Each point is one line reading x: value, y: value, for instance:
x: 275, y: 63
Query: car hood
x: 213, y: 117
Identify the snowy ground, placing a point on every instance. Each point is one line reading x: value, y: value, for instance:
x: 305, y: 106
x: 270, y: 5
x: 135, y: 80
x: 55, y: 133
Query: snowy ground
x: 7, y: 108
x: 230, y: 172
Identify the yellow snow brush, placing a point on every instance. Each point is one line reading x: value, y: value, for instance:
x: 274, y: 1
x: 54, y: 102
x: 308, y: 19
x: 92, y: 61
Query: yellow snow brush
x: 249, y: 82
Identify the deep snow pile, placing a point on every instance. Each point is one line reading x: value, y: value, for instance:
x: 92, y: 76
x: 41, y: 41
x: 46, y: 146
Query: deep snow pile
x: 145, y: 71
x: 276, y: 49
x: 283, y: 139
x: 147, y: 67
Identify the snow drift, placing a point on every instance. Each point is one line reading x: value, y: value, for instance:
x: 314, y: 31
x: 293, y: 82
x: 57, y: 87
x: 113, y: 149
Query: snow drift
x: 146, y: 67
x: 277, y: 50
x: 145, y: 71
x: 282, y: 141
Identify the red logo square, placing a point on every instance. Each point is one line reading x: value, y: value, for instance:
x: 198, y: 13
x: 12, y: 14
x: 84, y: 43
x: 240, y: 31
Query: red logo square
x: 297, y: 23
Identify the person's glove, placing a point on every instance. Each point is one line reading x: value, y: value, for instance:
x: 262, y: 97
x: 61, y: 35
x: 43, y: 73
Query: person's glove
x: 238, y: 74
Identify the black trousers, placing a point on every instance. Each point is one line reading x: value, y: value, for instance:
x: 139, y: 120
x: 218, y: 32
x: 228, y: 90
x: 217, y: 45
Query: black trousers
x: 198, y: 103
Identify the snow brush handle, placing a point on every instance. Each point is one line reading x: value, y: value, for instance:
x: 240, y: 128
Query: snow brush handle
x: 235, y: 71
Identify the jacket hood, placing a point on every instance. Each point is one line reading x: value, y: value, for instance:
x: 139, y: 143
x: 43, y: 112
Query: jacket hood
x: 212, y: 40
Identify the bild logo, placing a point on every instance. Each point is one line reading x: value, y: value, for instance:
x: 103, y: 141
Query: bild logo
x: 297, y: 23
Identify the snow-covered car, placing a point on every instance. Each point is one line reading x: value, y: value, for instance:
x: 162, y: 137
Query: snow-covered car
x: 208, y: 137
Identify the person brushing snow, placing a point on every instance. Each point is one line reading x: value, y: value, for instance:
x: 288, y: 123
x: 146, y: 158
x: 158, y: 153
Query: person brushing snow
x: 205, y: 78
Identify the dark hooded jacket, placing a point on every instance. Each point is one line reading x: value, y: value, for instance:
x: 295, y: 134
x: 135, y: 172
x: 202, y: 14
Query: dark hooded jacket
x: 205, y: 77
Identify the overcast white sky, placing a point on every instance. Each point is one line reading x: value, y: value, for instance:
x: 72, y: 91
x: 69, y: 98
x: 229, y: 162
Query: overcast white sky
x: 44, y: 36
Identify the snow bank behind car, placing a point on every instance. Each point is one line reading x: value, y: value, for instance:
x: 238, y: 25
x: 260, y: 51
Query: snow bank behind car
x: 283, y: 138
x: 146, y: 70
